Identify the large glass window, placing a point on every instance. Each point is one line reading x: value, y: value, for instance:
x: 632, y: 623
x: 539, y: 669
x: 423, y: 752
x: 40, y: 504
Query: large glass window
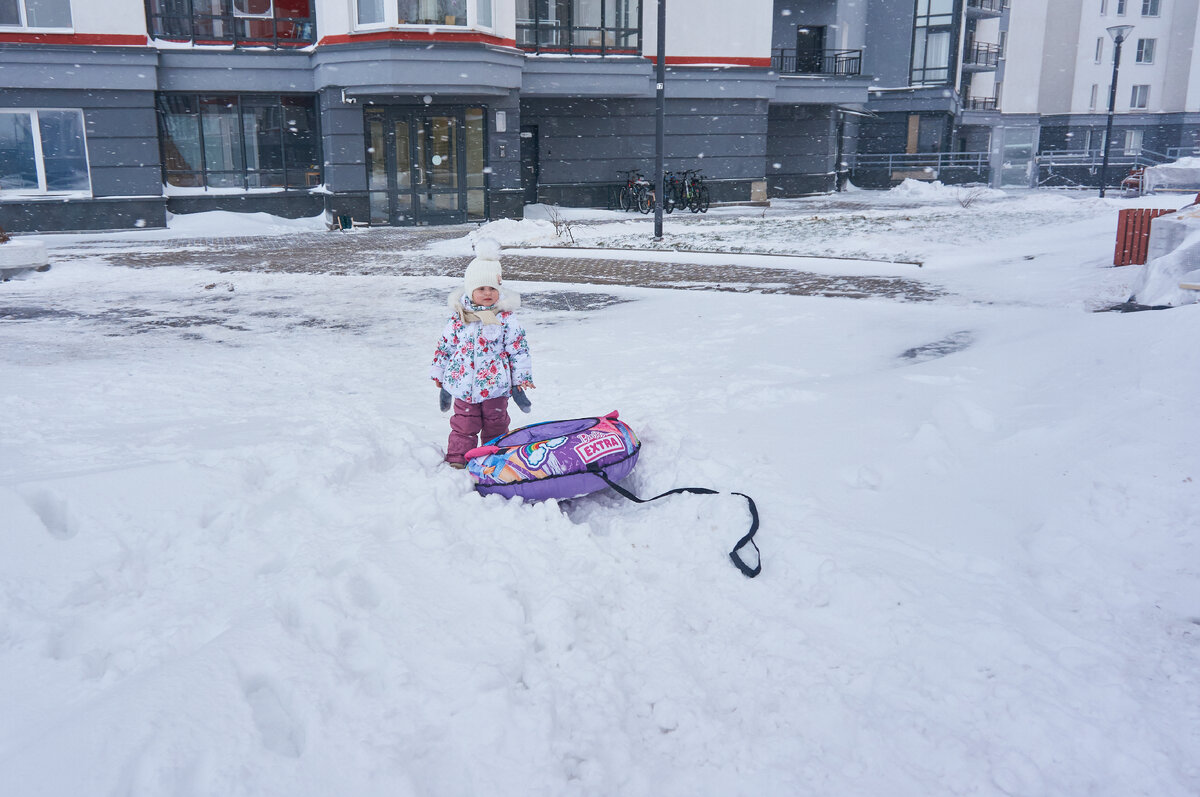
x: 455, y: 13
x: 43, y: 151
x: 276, y: 23
x: 588, y: 26
x: 239, y: 141
x: 933, y: 40
x: 55, y: 14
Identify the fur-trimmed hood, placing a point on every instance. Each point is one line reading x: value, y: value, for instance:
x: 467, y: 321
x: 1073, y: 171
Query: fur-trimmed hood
x: 509, y: 300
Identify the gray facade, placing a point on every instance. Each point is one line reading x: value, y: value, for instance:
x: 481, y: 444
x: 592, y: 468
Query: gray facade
x: 114, y: 89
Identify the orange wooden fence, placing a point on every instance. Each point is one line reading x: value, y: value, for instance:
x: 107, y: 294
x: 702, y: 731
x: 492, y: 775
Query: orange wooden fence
x: 1133, y: 235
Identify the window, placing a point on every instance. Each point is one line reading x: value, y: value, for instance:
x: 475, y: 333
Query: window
x: 1150, y: 8
x: 457, y: 13
x: 592, y: 26
x: 1133, y: 142
x: 35, y: 14
x: 253, y: 8
x: 1121, y: 8
x: 1092, y: 100
x: 1099, y: 50
x: 239, y: 141
x: 933, y: 31
x: 1145, y: 51
x: 43, y: 151
x: 257, y: 23
x: 1139, y: 97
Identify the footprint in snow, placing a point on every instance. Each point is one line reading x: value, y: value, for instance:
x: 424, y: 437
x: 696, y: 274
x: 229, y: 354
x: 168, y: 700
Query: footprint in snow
x: 54, y: 512
x: 279, y: 731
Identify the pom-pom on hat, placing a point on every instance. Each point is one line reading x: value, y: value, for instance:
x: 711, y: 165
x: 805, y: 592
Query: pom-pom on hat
x: 484, y: 270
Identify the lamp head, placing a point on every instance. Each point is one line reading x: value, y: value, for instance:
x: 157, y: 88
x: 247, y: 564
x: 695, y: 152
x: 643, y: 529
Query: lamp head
x: 1119, y: 33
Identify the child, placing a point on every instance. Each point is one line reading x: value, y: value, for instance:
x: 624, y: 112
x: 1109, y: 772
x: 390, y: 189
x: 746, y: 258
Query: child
x: 483, y: 356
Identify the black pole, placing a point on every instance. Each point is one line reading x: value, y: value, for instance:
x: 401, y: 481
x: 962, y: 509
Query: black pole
x: 1112, y: 101
x: 660, y: 120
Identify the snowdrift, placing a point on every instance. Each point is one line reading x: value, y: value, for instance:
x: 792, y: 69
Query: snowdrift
x: 1173, y: 258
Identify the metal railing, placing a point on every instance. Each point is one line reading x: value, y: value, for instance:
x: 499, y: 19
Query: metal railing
x: 980, y: 103
x: 934, y: 163
x: 982, y: 54
x: 817, y: 62
x: 991, y: 6
x: 1094, y: 158
x: 910, y: 161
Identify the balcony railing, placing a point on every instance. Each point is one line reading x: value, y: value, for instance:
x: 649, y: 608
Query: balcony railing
x: 817, y: 62
x: 238, y: 30
x: 986, y: 8
x: 981, y: 55
x: 551, y: 36
x: 980, y: 104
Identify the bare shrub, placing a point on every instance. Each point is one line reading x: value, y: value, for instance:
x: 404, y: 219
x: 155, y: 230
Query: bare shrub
x: 562, y: 225
x: 3, y: 236
x: 967, y: 196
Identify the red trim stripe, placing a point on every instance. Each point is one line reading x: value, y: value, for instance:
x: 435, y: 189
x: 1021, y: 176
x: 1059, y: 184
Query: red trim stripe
x: 685, y: 60
x: 89, y: 39
x: 412, y: 35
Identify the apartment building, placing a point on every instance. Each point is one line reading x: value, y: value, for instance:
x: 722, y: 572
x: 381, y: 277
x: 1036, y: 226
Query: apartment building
x: 407, y: 111
x: 1060, y: 73
x: 1015, y: 92
x: 397, y: 112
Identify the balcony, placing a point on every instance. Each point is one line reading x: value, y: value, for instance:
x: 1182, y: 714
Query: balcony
x: 842, y: 63
x: 981, y: 57
x: 985, y: 9
x: 980, y: 104
x: 240, y: 30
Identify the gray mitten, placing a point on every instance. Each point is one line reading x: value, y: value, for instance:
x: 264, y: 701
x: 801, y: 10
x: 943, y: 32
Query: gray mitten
x: 445, y: 400
x: 521, y: 399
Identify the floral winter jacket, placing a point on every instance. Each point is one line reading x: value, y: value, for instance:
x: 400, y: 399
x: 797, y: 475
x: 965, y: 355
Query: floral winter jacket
x: 476, y: 361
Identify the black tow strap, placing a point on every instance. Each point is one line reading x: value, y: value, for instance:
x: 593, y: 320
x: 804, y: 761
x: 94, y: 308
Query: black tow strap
x: 747, y: 571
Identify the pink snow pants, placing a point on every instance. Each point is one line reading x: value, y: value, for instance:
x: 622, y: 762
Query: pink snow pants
x: 468, y: 420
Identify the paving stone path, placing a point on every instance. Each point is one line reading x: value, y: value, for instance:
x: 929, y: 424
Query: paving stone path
x: 402, y: 251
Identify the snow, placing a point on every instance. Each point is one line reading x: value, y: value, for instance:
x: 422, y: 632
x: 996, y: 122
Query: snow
x: 233, y: 563
x: 1180, y: 175
x: 1173, y: 258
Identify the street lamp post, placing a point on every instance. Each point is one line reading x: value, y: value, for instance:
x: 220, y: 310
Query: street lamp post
x: 1119, y: 34
x: 660, y: 76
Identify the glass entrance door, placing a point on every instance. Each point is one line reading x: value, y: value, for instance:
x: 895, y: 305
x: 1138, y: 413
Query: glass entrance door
x: 436, y: 166
x: 425, y: 166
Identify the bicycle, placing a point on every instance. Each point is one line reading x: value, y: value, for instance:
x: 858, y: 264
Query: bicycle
x: 672, y: 184
x: 643, y: 194
x: 626, y: 197
x: 697, y: 192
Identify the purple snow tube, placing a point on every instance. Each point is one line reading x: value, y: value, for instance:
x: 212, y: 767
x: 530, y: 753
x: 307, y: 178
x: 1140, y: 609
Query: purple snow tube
x: 555, y: 459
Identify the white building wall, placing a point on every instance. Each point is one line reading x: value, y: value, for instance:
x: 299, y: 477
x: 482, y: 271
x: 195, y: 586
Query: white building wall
x: 124, y: 17
x: 1182, y: 59
x: 711, y: 29
x: 1028, y: 27
x: 1093, y: 27
x: 1192, y: 94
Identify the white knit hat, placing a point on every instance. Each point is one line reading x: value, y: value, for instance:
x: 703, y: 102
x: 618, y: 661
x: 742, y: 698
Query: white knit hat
x: 484, y: 270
